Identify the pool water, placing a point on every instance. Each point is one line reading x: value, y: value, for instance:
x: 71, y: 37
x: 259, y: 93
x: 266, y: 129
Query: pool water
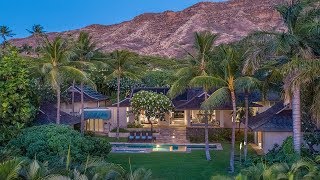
x: 147, y: 148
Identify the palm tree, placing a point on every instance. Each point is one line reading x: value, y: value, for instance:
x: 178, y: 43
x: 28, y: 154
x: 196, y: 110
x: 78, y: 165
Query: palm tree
x: 228, y: 60
x: 56, y: 67
x: 82, y: 57
x: 301, y: 42
x: 5, y: 32
x: 121, y: 66
x: 38, y: 32
x: 196, y: 74
x: 10, y: 169
x: 247, y: 84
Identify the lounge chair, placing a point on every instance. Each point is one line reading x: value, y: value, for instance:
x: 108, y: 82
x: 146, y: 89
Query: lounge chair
x: 144, y: 136
x: 131, y: 136
x: 138, y: 136
x: 150, y: 137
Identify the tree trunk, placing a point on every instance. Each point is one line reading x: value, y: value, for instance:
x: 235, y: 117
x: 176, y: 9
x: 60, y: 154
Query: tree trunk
x: 58, y: 105
x: 206, y: 131
x: 118, y: 107
x: 246, y: 102
x: 233, y: 137
x: 151, y: 125
x: 73, y: 88
x: 296, y: 117
x: 82, y: 110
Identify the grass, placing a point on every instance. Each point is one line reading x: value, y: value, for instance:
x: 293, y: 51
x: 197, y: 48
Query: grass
x: 178, y: 165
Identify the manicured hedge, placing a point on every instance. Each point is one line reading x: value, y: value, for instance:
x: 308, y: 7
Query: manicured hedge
x: 51, y: 143
x: 196, y: 135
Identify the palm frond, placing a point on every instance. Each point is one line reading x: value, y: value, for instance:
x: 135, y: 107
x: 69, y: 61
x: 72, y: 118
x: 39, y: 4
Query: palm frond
x: 10, y: 169
x: 218, y: 98
x: 207, y: 82
x: 247, y: 83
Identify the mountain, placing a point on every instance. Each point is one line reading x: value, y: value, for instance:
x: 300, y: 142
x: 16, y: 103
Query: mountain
x: 169, y: 33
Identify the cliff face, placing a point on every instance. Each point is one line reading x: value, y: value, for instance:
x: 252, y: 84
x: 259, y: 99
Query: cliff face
x: 167, y: 33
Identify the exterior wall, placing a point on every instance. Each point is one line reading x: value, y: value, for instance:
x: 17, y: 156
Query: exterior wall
x: 66, y: 107
x: 271, y: 138
x: 123, y: 120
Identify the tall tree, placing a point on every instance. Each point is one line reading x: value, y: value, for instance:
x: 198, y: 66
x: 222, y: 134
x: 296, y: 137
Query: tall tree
x: 196, y: 74
x: 57, y: 68
x: 82, y: 56
x: 122, y: 66
x: 228, y: 61
x: 300, y: 43
x: 38, y: 32
x: 5, y: 32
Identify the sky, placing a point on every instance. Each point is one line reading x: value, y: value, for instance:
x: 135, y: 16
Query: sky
x: 61, y: 15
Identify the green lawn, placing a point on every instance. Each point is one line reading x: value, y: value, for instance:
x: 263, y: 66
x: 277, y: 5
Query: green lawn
x: 178, y: 165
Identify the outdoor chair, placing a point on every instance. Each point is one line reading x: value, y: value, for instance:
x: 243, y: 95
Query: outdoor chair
x: 150, y: 137
x: 144, y: 136
x: 131, y: 136
x: 138, y: 136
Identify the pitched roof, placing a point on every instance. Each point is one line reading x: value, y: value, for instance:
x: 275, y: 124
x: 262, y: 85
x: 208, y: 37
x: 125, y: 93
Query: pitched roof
x: 89, y: 94
x: 192, y: 98
x: 277, y: 118
x: 47, y: 115
x: 196, y: 102
x: 180, y: 99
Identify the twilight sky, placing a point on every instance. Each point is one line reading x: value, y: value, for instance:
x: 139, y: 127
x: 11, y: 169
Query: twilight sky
x: 60, y: 15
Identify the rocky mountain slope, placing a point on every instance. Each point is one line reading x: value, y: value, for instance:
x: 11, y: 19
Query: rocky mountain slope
x: 168, y: 33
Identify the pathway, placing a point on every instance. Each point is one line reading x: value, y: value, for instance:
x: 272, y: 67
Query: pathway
x: 172, y: 135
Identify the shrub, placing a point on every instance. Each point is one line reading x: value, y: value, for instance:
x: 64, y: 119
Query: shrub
x: 134, y: 125
x: 121, y: 130
x: 51, y: 142
x: 196, y: 135
x: 282, y: 154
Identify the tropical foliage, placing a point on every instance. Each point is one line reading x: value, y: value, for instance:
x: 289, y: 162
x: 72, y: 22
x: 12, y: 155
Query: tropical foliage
x: 51, y: 143
x: 17, y: 100
x: 150, y: 104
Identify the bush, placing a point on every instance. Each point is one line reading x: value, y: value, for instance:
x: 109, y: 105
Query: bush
x: 196, y: 135
x: 134, y: 125
x: 121, y: 130
x: 282, y: 154
x: 51, y: 142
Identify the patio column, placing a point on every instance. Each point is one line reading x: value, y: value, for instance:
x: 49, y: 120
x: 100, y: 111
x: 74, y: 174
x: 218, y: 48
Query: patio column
x: 187, y: 118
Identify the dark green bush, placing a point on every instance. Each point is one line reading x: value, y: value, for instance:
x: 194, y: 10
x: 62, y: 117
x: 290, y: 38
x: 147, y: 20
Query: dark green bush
x: 282, y: 154
x: 219, y: 135
x: 51, y: 143
x: 121, y: 130
x: 134, y: 125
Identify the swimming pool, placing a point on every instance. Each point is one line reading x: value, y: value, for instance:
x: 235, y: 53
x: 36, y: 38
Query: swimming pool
x: 151, y: 147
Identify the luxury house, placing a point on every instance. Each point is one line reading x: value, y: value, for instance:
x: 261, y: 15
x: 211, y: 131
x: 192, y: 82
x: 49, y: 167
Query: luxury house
x: 188, y: 109
x: 71, y: 109
x: 91, y: 98
x: 271, y: 126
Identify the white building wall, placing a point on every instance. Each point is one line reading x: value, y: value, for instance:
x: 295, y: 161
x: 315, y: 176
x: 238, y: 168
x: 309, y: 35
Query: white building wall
x: 271, y: 138
x: 67, y: 108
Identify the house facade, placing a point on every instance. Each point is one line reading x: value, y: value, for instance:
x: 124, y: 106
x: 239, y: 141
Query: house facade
x: 187, y: 110
x: 271, y: 126
x: 91, y: 98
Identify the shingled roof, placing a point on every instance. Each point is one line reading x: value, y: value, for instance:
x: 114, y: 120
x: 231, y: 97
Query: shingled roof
x: 278, y: 118
x: 193, y: 98
x: 47, y: 115
x: 89, y: 94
